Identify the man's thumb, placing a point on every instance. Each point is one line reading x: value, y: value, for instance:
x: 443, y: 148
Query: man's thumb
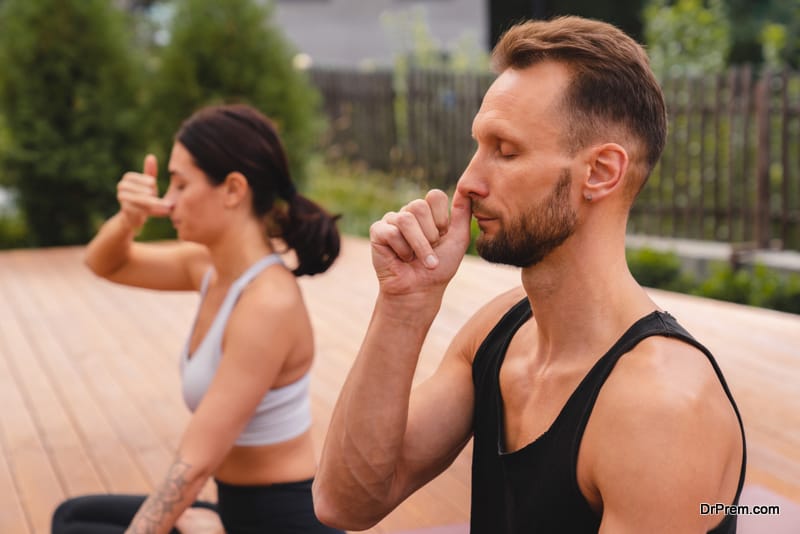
x: 460, y: 217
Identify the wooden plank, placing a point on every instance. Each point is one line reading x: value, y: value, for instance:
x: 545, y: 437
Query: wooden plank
x: 38, y: 487
x: 685, y: 200
x: 12, y: 515
x: 744, y: 185
x: 786, y: 168
x: 718, y: 110
x: 70, y: 378
x: 47, y: 406
x: 137, y: 370
x: 670, y: 223
x: 701, y: 87
x: 733, y: 151
x: 763, y: 160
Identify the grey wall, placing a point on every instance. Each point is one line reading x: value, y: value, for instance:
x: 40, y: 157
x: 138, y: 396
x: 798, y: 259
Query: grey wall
x: 350, y: 33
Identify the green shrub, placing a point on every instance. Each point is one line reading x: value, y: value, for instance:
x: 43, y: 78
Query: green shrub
x: 360, y: 196
x: 769, y: 289
x: 225, y: 52
x: 68, y: 96
x: 661, y: 270
x: 727, y: 284
x: 758, y: 286
x: 787, y: 296
x: 13, y: 231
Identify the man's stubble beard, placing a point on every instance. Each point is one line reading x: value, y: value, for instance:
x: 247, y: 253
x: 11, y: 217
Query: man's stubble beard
x: 535, y: 233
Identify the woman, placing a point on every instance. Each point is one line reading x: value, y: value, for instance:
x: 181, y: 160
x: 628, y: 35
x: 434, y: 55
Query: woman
x: 245, y: 365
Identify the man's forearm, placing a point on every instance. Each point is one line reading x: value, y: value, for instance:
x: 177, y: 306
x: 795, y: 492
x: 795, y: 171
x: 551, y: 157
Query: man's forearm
x: 365, y: 438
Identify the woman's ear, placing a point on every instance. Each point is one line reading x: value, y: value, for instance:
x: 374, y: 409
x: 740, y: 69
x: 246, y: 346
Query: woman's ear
x: 608, y: 164
x: 236, y: 189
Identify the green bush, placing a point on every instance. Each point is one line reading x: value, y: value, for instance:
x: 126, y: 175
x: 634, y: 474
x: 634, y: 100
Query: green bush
x: 756, y: 286
x: 68, y: 97
x: 660, y: 270
x: 225, y: 52
x: 787, y: 297
x: 360, y: 196
x: 727, y: 284
x: 691, y: 36
x: 13, y: 232
x: 759, y: 286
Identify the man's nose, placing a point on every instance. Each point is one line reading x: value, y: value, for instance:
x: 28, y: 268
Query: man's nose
x: 472, y: 182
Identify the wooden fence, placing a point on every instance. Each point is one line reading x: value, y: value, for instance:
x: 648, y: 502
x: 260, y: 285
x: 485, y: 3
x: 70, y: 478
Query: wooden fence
x: 360, y: 108
x: 731, y: 168
x: 730, y: 171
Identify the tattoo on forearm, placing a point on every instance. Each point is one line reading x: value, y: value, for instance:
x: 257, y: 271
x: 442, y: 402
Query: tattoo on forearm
x: 162, y: 502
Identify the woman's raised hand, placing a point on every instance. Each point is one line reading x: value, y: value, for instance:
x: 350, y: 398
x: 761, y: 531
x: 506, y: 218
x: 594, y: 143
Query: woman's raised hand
x: 138, y: 195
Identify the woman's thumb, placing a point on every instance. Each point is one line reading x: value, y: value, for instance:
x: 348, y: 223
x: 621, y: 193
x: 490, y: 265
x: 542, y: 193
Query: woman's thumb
x: 150, y: 165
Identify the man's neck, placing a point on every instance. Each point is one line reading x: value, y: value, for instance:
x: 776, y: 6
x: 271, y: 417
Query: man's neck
x: 583, y: 298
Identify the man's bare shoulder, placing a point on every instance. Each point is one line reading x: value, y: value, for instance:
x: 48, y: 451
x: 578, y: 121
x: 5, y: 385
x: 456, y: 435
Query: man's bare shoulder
x: 481, y: 323
x: 663, y: 423
x: 666, y: 373
x: 667, y: 381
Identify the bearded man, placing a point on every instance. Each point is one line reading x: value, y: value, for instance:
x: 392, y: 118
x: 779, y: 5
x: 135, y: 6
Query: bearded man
x: 591, y: 409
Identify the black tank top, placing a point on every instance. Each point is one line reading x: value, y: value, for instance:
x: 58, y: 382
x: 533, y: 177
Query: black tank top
x: 535, y: 490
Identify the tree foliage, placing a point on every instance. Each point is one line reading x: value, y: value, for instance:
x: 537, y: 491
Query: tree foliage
x: 779, y: 35
x: 687, y: 36
x: 67, y: 96
x: 758, y: 31
x: 229, y: 52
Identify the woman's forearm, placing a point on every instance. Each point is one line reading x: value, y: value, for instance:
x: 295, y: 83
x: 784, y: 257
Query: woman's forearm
x: 109, y: 249
x: 176, y: 493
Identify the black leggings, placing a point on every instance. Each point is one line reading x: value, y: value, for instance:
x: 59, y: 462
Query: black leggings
x: 274, y: 509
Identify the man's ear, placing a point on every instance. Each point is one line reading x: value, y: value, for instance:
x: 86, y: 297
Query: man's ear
x: 236, y: 189
x: 608, y: 164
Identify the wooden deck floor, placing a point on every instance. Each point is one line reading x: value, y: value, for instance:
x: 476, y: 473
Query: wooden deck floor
x: 90, y: 402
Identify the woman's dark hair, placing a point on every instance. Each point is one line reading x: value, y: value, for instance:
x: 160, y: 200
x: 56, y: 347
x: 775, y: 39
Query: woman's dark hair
x: 238, y: 138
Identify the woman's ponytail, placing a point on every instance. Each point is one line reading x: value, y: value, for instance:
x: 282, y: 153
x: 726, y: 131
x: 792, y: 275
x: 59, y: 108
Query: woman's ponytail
x: 312, y: 233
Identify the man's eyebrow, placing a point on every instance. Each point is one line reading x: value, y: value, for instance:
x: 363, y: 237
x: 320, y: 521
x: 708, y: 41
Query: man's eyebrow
x: 494, y: 132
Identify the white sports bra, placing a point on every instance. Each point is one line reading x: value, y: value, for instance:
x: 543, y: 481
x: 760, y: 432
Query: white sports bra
x: 283, y: 413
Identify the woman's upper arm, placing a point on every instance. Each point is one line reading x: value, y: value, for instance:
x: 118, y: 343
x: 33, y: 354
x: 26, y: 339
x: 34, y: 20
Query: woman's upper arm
x: 168, y: 266
x: 259, y: 336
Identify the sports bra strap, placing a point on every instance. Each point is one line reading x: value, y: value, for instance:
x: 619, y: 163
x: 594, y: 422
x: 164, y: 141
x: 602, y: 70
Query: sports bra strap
x: 245, y: 278
x: 206, y: 279
x: 225, y: 309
